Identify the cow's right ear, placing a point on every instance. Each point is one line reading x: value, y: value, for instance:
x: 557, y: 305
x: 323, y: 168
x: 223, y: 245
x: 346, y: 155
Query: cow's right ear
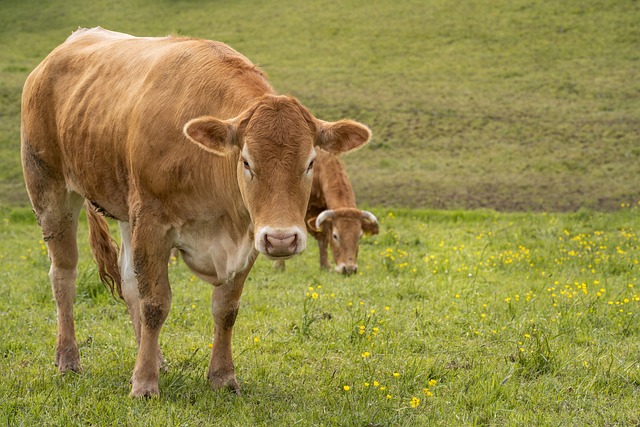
x: 214, y: 135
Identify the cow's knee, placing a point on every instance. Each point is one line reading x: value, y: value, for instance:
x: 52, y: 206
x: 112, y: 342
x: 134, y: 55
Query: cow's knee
x: 154, y: 313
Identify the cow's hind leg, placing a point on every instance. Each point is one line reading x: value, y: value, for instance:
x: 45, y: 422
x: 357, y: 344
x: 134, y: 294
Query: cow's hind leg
x: 57, y: 214
x: 129, y: 283
x: 278, y: 265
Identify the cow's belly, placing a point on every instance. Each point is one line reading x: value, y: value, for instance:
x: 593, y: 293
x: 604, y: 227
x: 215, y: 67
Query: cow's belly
x: 216, y: 258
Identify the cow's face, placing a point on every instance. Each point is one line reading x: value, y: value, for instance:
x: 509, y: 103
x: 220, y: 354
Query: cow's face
x: 343, y: 228
x: 274, y: 142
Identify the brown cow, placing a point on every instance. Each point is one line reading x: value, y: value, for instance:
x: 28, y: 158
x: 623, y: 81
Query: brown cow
x: 332, y: 216
x: 183, y: 142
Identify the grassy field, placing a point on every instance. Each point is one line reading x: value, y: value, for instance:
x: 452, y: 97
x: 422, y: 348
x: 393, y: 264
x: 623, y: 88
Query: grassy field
x: 456, y: 318
x: 511, y: 105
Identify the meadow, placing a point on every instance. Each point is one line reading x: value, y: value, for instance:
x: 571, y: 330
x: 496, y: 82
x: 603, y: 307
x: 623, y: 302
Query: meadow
x: 502, y: 289
x: 455, y: 318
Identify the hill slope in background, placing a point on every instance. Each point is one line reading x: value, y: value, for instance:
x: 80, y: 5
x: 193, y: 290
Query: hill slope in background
x: 510, y: 105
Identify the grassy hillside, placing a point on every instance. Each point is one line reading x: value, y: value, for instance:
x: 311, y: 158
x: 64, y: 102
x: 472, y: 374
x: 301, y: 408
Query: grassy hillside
x: 512, y: 105
x: 455, y: 319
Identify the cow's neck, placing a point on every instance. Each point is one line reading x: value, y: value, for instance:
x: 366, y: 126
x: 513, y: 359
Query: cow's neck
x: 216, y: 241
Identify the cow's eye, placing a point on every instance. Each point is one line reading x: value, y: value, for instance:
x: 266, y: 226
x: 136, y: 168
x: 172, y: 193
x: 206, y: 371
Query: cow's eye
x: 310, y: 168
x: 247, y: 167
x: 335, y: 236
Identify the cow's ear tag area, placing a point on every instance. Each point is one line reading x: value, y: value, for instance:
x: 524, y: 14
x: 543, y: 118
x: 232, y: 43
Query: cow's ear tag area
x: 342, y: 136
x: 214, y: 135
x: 311, y: 223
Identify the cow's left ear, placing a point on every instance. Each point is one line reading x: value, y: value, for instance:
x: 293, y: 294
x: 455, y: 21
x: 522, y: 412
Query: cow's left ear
x: 369, y: 223
x: 311, y: 224
x: 370, y: 227
x: 341, y: 136
x: 214, y: 135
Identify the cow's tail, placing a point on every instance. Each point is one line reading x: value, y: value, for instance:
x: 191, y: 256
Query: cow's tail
x: 104, y: 249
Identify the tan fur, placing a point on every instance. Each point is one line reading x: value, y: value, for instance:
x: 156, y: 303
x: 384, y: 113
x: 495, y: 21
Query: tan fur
x: 185, y: 143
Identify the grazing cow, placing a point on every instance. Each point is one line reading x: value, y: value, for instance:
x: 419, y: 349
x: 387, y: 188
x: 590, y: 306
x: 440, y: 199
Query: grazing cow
x: 332, y: 217
x: 184, y: 143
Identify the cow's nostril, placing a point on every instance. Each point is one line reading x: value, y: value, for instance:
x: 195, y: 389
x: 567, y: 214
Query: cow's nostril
x: 281, y: 245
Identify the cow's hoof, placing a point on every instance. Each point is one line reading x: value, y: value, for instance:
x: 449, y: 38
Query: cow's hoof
x: 68, y: 361
x: 145, y: 390
x: 73, y: 366
x: 224, y: 381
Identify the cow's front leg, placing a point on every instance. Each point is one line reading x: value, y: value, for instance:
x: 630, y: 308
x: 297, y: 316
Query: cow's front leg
x: 150, y: 248
x: 130, y: 291
x: 226, y: 299
x: 324, y: 255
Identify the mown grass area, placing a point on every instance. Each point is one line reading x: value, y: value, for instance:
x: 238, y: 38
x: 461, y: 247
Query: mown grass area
x: 510, y: 105
x: 456, y: 318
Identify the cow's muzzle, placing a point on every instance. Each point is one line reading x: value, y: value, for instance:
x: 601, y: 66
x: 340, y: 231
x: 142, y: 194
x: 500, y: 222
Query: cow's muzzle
x: 347, y: 270
x: 279, y: 243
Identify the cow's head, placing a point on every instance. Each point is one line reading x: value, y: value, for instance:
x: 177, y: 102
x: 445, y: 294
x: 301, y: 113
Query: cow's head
x: 343, y: 228
x: 274, y: 141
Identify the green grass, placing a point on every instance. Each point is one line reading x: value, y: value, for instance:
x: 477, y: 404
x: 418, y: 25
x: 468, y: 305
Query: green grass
x: 509, y: 105
x: 520, y: 319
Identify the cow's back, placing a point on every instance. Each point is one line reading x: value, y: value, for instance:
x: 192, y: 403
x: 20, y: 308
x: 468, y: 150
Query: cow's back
x: 105, y: 108
x: 331, y: 187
